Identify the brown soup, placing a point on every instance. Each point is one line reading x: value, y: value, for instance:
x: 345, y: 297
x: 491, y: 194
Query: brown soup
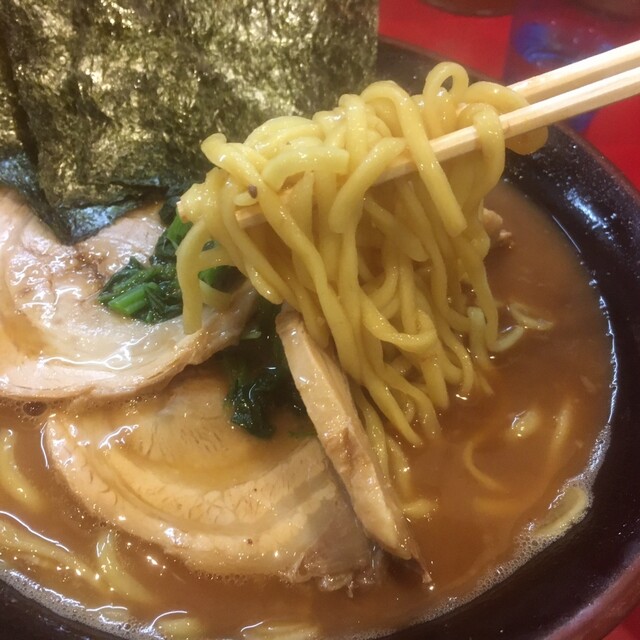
x: 510, y: 473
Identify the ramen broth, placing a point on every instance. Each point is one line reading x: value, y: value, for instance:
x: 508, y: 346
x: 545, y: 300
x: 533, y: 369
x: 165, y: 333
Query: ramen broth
x: 491, y: 479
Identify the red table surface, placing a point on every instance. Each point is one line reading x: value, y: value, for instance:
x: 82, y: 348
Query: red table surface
x: 482, y: 44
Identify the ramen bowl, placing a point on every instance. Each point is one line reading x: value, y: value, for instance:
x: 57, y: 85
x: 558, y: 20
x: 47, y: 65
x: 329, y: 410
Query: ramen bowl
x: 582, y: 585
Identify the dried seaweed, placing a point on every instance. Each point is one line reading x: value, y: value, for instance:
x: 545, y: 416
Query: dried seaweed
x: 18, y: 170
x: 9, y: 106
x: 70, y: 224
x: 119, y: 93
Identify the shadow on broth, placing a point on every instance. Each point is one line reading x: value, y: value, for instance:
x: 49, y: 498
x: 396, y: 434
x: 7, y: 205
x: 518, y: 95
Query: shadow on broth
x: 515, y: 509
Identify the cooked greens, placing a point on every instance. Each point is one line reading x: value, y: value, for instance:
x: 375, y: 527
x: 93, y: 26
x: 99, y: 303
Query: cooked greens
x: 150, y: 291
x: 260, y: 378
x: 145, y: 292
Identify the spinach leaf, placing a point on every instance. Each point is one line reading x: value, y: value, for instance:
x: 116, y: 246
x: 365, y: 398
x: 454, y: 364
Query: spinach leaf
x: 150, y: 291
x: 260, y: 375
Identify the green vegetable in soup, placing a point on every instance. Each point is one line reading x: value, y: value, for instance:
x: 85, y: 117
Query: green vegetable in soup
x: 260, y: 378
x: 150, y: 292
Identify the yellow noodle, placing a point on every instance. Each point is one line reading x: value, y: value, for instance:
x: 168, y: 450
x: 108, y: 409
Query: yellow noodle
x: 281, y: 631
x: 524, y: 425
x: 483, y: 384
x: 498, y: 507
x: 356, y: 130
x: 214, y: 298
x: 294, y: 161
x: 527, y: 318
x: 440, y: 275
x: 567, y: 509
x: 394, y: 228
x: 477, y: 345
x: 400, y: 470
x: 399, y: 467
x: 444, y: 119
x: 375, y: 429
x: 560, y: 436
x: 188, y: 271
x: 33, y: 548
x: 179, y: 627
x: 419, y: 508
x: 483, y: 478
x: 119, y: 580
x: 389, y: 273
x: 12, y: 480
x: 214, y: 257
x: 507, y: 339
x: 271, y: 136
x: 245, y: 199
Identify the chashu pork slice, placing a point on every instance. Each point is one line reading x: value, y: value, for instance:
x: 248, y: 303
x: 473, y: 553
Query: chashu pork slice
x: 325, y: 392
x: 58, y: 341
x: 171, y: 469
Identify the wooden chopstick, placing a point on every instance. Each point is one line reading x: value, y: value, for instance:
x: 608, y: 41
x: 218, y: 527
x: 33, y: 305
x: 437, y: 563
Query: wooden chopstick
x: 587, y: 84
x: 579, y: 73
x: 539, y: 114
x: 556, y: 95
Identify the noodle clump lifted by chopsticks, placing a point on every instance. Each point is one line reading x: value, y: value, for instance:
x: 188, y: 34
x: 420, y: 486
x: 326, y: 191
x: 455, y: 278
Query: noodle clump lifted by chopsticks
x: 392, y: 275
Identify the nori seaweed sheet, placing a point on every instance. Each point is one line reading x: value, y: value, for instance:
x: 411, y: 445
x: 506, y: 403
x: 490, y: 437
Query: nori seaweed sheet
x: 70, y: 224
x: 18, y: 169
x: 120, y: 93
x: 9, y: 107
